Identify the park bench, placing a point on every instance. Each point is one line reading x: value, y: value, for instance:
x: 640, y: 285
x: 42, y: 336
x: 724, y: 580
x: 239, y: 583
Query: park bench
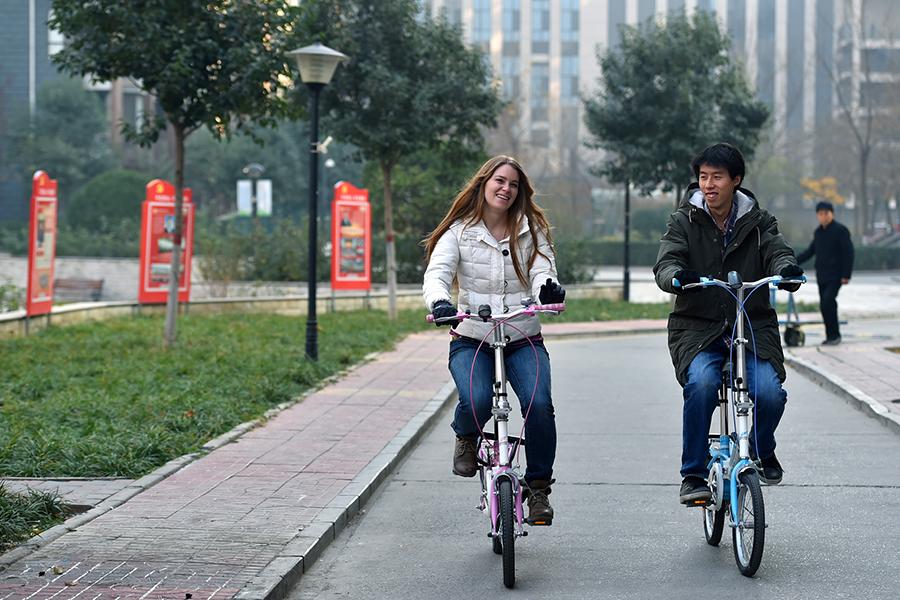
x: 71, y: 288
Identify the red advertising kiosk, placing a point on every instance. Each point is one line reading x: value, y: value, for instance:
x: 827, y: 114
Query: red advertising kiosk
x: 41, y: 245
x: 158, y: 240
x: 351, y: 238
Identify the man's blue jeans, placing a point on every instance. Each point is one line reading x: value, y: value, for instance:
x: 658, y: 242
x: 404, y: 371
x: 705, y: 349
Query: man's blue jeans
x: 521, y: 369
x: 704, y: 378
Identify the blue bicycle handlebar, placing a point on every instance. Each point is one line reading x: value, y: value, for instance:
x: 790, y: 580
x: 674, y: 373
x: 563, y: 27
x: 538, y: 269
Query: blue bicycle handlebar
x: 710, y: 282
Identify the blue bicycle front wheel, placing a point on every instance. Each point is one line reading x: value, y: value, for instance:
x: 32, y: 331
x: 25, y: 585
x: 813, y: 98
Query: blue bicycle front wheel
x: 749, y: 533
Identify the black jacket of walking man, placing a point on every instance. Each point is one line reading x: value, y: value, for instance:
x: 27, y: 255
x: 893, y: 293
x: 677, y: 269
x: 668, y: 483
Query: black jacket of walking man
x: 719, y: 227
x: 833, y: 250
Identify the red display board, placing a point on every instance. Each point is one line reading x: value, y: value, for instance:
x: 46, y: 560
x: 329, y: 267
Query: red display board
x: 41, y: 244
x: 351, y: 238
x: 158, y: 240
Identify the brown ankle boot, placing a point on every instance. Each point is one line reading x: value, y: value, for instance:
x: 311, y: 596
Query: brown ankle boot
x: 464, y: 463
x: 539, y: 510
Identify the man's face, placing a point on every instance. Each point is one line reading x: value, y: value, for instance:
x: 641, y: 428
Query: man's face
x: 717, y: 186
x: 825, y: 217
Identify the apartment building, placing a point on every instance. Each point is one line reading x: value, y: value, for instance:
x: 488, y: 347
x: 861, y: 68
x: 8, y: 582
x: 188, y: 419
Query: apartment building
x: 544, y: 53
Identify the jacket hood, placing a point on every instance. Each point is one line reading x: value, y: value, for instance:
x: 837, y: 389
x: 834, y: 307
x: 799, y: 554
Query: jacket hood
x: 693, y: 198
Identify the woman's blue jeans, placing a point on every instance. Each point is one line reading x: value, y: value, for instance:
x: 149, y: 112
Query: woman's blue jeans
x: 521, y: 370
x: 704, y: 378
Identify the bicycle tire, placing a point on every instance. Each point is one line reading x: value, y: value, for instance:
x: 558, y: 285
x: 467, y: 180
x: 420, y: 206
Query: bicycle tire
x: 749, y: 533
x: 507, y: 532
x: 713, y: 524
x: 714, y: 520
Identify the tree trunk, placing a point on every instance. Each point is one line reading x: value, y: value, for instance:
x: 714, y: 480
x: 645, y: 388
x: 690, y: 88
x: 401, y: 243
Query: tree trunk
x: 626, y: 270
x: 172, y: 302
x: 677, y: 194
x: 864, y: 190
x: 389, y: 240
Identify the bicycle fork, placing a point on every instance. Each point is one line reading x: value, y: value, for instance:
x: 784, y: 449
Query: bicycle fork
x: 500, y: 410
x: 743, y: 406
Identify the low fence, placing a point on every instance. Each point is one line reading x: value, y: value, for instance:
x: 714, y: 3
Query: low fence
x: 16, y: 324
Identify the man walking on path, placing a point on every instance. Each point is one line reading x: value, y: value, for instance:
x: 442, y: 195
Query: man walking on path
x: 833, y: 250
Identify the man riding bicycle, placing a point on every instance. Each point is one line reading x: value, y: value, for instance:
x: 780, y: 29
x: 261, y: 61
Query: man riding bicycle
x: 717, y: 228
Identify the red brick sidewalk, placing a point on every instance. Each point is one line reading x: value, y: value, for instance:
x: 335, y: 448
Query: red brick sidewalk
x: 237, y: 517
x: 866, y: 373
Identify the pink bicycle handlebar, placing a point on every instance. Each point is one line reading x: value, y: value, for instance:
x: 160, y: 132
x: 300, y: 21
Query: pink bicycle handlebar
x: 528, y: 310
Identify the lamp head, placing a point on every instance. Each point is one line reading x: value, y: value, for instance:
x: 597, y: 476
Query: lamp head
x: 254, y: 170
x: 317, y: 63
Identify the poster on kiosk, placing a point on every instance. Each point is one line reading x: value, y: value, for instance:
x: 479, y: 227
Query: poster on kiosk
x: 351, y: 238
x: 158, y: 240
x: 41, y: 245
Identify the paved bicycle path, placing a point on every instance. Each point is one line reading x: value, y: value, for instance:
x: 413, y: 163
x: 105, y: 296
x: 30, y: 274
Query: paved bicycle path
x: 249, y: 517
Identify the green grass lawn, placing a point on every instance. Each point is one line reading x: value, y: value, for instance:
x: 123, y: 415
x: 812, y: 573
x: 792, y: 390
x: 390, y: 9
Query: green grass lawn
x: 105, y: 399
x: 25, y: 515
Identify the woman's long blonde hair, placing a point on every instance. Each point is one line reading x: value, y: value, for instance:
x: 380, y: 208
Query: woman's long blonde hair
x: 468, y: 206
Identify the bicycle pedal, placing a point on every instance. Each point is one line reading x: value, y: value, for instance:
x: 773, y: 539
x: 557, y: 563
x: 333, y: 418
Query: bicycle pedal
x: 698, y: 503
x: 540, y: 522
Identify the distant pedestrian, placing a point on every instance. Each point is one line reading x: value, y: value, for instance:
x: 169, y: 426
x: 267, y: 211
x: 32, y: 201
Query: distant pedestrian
x: 833, y: 250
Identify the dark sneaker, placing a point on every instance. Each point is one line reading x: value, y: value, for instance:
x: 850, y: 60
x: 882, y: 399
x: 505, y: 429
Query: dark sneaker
x: 694, y: 491
x: 464, y: 463
x: 539, y: 510
x: 770, y: 471
x: 832, y: 341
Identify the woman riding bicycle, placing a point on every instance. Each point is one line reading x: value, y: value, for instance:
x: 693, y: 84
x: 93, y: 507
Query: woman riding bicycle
x: 495, y: 244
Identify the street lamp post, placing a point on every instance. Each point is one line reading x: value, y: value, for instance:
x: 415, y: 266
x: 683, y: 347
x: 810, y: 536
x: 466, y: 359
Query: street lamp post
x: 317, y: 64
x: 254, y: 171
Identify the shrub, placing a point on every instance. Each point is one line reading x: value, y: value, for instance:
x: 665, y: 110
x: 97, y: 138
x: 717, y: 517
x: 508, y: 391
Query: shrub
x: 107, y: 201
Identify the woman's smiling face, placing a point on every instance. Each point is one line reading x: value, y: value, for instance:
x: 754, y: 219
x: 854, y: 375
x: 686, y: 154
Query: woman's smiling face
x: 501, y: 188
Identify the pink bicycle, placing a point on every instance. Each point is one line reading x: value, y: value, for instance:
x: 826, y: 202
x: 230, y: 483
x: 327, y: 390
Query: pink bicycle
x: 500, y: 475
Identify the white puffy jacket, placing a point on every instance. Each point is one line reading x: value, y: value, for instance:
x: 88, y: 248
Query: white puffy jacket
x: 485, y: 274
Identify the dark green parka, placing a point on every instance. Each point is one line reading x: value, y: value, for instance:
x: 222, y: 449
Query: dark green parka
x: 692, y: 241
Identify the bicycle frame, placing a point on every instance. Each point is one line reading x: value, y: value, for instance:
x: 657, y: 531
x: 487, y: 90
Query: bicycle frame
x: 498, y: 455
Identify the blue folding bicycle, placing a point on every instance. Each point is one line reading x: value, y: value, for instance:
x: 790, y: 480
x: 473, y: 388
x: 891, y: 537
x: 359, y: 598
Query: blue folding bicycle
x: 733, y: 477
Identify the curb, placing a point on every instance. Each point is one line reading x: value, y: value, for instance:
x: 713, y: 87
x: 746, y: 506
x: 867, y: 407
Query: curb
x: 852, y: 394
x: 280, y: 576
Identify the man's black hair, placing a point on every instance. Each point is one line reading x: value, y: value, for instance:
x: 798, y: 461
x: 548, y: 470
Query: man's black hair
x: 720, y: 155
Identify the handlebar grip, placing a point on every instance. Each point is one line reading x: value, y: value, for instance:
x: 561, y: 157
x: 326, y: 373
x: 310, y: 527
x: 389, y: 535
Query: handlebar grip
x: 558, y: 306
x: 704, y: 282
x: 459, y: 315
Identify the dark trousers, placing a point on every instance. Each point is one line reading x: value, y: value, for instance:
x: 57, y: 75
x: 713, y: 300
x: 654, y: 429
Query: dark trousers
x: 828, y: 291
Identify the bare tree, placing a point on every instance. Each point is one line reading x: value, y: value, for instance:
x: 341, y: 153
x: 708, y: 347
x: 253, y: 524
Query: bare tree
x: 867, y: 113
